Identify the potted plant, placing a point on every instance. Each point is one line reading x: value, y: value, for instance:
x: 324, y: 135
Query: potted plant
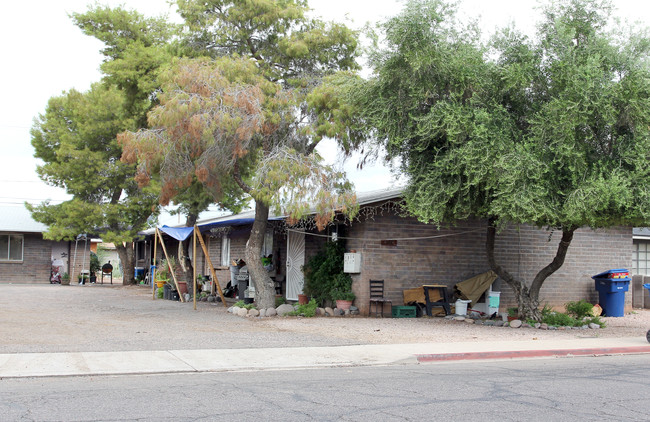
x: 513, y: 314
x: 341, y: 291
x: 65, y: 279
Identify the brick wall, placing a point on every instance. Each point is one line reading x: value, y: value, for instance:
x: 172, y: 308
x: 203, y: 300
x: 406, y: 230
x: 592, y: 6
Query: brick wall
x: 36, y: 264
x: 452, y: 257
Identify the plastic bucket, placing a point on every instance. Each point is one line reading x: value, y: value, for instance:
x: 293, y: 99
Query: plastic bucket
x: 461, y: 306
x: 493, y: 302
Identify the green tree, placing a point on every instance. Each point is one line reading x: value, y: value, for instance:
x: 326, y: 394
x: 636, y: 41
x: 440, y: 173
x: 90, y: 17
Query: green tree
x: 76, y: 139
x: 217, y: 117
x: 552, y: 132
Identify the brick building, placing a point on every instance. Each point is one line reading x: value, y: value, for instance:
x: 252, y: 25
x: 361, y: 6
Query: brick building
x: 407, y: 254
x: 25, y: 257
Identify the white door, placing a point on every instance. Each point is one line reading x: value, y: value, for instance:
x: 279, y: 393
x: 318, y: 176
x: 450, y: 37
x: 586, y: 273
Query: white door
x: 295, y: 261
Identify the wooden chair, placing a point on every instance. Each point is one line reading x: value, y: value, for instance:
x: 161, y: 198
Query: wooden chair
x: 377, y: 296
x: 442, y: 300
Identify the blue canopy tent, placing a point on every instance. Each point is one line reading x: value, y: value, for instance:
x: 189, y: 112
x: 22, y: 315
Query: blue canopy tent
x: 181, y: 234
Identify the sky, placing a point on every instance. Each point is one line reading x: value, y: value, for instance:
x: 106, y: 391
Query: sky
x: 44, y: 54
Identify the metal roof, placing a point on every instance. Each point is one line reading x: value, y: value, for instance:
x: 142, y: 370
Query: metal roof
x: 248, y: 216
x: 19, y: 219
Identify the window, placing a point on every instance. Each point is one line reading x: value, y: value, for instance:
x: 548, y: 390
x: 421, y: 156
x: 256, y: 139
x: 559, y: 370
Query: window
x: 11, y: 247
x: 225, y: 251
x: 640, y: 258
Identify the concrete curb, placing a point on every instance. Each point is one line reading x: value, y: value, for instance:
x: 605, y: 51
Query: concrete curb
x: 520, y: 354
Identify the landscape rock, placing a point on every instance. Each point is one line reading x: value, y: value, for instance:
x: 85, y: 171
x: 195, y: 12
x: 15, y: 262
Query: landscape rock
x: 543, y: 326
x: 459, y: 318
x: 320, y: 312
x: 515, y: 323
x: 253, y: 312
x: 329, y: 311
x: 338, y: 312
x: 211, y: 299
x: 469, y: 321
x: 538, y: 324
x: 262, y: 313
x: 271, y: 312
x: 284, y: 309
x: 593, y: 326
x: 232, y: 309
x: 241, y: 312
x: 499, y: 323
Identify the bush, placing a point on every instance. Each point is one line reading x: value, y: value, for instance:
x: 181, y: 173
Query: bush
x: 576, y: 316
x: 324, y: 276
x: 307, y: 310
x: 241, y: 304
x: 160, y: 292
x: 580, y: 309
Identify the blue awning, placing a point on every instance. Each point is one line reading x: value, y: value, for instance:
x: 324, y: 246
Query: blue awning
x: 178, y: 233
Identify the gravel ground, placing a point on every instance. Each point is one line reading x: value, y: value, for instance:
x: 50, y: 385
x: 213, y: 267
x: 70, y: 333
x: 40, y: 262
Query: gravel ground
x: 53, y: 318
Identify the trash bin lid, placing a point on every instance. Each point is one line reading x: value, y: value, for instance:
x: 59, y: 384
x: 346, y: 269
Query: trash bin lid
x: 616, y: 273
x: 647, y: 286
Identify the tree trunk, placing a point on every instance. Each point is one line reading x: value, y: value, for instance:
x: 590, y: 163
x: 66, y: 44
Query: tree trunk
x: 527, y: 298
x: 185, y: 261
x: 264, y: 289
x: 126, y: 253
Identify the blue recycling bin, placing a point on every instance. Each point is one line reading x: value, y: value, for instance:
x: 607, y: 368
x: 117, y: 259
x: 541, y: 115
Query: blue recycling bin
x: 139, y: 271
x: 611, y: 286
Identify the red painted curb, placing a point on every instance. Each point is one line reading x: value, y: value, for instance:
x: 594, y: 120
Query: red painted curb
x: 533, y: 353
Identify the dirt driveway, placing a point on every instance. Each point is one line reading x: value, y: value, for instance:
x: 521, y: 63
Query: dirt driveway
x: 53, y: 318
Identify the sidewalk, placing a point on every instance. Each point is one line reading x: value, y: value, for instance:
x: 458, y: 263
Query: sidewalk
x: 227, y: 360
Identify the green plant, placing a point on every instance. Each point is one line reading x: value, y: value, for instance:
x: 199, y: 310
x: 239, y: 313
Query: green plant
x: 280, y: 301
x: 342, y: 287
x: 580, y: 309
x: 241, y: 304
x: 65, y: 276
x: 95, y: 267
x: 160, y: 292
x: 558, y: 319
x: 306, y: 310
x: 324, y: 277
x: 513, y: 312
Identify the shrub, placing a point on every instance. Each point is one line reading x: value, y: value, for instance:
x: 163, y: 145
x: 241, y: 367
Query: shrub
x: 558, y: 319
x: 160, y: 292
x: 324, y: 273
x: 580, y: 309
x: 307, y: 310
x: 241, y: 304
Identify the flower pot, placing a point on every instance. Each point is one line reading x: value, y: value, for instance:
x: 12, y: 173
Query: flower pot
x: 303, y: 299
x: 343, y: 304
x: 160, y: 283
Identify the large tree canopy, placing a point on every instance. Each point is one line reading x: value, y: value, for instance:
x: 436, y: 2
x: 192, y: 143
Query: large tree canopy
x: 552, y: 132
x: 242, y: 116
x: 76, y: 137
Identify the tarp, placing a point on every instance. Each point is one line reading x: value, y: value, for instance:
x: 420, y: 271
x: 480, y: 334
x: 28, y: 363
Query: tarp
x: 178, y: 233
x: 473, y: 288
x: 232, y: 222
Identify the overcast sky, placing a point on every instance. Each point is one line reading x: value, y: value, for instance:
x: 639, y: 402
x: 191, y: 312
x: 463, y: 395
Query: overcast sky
x: 44, y: 54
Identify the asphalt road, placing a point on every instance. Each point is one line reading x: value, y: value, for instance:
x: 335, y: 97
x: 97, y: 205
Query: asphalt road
x: 567, y: 389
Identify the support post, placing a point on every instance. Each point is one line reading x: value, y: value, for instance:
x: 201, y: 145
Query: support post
x: 214, y: 274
